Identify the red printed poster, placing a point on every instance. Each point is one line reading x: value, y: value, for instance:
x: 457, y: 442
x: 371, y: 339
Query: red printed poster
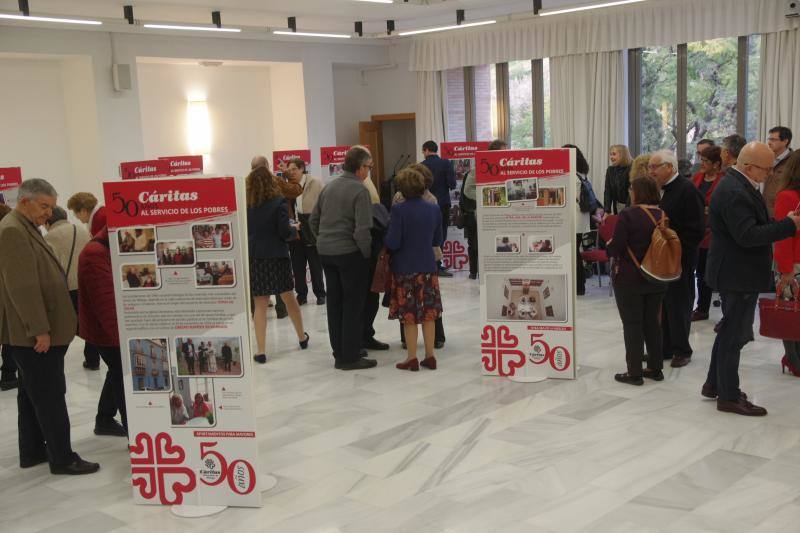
x: 177, y: 252
x: 184, y: 164
x: 284, y: 156
x: 331, y: 161
x: 10, y: 180
x: 161, y: 167
x: 526, y: 219
x: 462, y: 154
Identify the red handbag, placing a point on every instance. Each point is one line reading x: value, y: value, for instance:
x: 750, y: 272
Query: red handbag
x: 383, y: 272
x: 780, y: 319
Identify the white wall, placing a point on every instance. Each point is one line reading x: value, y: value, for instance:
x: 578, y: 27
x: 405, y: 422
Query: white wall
x: 33, y: 127
x: 288, y: 107
x: 240, y: 105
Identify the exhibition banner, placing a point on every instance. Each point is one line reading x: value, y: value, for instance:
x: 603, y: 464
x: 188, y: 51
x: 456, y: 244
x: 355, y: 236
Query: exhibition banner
x: 284, y: 156
x: 178, y: 260
x: 526, y: 223
x: 10, y: 180
x: 462, y: 155
x: 331, y: 161
x: 161, y: 167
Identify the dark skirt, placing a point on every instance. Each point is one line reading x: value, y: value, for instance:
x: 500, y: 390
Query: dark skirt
x: 415, y: 298
x: 271, y: 276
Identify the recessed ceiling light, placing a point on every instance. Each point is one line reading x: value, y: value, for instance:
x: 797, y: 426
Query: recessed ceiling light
x: 447, y: 28
x: 50, y: 19
x: 584, y: 8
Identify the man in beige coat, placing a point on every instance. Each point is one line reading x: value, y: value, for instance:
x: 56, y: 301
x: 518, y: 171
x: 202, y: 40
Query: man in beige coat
x: 67, y: 241
x: 37, y: 323
x: 304, y: 249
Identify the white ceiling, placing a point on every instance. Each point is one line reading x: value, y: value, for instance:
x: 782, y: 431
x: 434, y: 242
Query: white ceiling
x: 331, y: 15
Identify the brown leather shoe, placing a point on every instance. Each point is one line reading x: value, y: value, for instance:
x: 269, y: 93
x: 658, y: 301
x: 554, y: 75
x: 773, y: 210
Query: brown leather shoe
x: 679, y: 361
x: 710, y: 392
x: 740, y: 407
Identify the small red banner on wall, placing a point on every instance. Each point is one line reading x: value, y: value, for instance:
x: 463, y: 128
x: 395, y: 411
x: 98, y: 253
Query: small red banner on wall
x: 283, y: 156
x: 184, y: 164
x: 459, y: 150
x: 161, y: 167
x: 498, y: 166
x: 10, y: 178
x: 333, y: 155
x: 167, y: 202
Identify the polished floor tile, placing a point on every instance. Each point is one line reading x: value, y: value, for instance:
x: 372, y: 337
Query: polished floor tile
x: 453, y: 451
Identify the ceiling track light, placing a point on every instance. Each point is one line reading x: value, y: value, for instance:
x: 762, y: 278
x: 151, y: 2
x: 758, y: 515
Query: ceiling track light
x: 537, y: 6
x: 359, y: 27
x: 216, y: 19
x: 128, y: 13
x: 24, y: 8
x: 460, y: 16
x: 190, y: 28
x: 446, y: 28
x: 585, y: 8
x: 292, y: 24
x: 389, y: 27
x: 311, y: 34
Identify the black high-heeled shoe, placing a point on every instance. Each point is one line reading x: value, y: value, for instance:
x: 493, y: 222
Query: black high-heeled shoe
x: 304, y: 344
x: 260, y: 358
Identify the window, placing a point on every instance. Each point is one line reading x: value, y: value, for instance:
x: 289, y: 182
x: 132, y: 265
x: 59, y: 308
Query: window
x: 711, y: 103
x: 753, y: 87
x: 659, y: 98
x: 455, y: 128
x: 485, y: 102
x: 520, y: 94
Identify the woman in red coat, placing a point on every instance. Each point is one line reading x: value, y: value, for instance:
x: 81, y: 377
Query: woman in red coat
x: 706, y: 180
x: 98, y: 325
x: 787, y: 252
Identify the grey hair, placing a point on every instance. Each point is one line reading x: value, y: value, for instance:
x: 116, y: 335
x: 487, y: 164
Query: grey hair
x: 734, y: 144
x: 259, y: 161
x: 356, y: 157
x: 35, y: 187
x: 667, y: 156
x: 58, y: 214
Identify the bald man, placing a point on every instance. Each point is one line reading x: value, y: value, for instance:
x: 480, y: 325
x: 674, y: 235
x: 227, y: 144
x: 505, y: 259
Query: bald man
x: 740, y: 267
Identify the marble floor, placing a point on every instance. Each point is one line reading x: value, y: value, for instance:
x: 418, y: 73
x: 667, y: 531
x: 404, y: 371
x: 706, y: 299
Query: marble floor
x: 452, y: 451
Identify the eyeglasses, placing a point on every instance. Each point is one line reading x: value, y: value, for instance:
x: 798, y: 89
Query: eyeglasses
x: 774, y: 139
x: 368, y: 166
x: 655, y: 166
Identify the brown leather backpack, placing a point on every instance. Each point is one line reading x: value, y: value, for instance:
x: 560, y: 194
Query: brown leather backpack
x: 662, y: 262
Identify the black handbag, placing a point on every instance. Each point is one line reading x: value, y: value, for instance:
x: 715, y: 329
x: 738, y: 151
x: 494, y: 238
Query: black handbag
x: 306, y: 235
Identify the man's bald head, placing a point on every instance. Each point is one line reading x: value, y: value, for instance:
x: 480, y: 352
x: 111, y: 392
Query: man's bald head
x: 258, y: 162
x: 755, y: 161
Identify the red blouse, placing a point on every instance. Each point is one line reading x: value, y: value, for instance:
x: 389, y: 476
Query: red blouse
x: 787, y: 251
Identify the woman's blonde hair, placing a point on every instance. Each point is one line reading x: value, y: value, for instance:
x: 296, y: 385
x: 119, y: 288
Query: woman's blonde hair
x: 426, y: 173
x: 625, y: 158
x: 411, y: 183
x: 82, y: 201
x: 261, y: 186
x: 639, y: 167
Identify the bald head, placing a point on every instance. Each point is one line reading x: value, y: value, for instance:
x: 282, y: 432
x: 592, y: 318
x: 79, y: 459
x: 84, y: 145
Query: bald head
x: 258, y: 162
x: 755, y: 161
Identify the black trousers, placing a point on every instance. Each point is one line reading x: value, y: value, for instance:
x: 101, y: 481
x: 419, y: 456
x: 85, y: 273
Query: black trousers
x: 471, y: 233
x: 738, y: 310
x: 303, y: 254
x: 42, y: 420
x: 347, y: 287
x: 640, y: 311
x: 112, y: 397
x: 581, y: 272
x: 90, y: 353
x: 792, y: 349
x: 445, y: 223
x: 678, y: 304
x: 372, y: 302
x: 704, y: 292
x: 8, y: 370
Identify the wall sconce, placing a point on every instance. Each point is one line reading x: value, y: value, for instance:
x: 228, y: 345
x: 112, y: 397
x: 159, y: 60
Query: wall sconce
x: 198, y: 128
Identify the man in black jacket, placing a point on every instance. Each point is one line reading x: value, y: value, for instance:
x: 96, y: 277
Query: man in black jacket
x: 739, y: 267
x: 684, y: 206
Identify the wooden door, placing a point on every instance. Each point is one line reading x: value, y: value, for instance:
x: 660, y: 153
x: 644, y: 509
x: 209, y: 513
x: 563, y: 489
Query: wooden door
x: 371, y: 134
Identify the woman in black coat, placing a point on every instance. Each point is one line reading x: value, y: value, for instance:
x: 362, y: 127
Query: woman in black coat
x: 268, y: 232
x: 615, y: 198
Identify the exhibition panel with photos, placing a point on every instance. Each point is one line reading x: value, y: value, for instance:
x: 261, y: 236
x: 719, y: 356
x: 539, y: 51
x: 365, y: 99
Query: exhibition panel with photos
x: 526, y: 220
x: 10, y: 180
x: 331, y: 160
x: 282, y: 157
x: 462, y: 155
x: 178, y: 259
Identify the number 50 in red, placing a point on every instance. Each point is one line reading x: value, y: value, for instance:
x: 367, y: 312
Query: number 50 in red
x: 240, y: 475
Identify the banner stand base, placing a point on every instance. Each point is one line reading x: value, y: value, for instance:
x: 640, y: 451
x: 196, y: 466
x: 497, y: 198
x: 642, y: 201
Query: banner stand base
x: 266, y: 483
x: 527, y: 379
x: 196, y: 511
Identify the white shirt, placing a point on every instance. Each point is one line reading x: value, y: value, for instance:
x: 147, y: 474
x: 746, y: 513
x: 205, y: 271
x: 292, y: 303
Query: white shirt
x: 755, y: 184
x: 299, y: 202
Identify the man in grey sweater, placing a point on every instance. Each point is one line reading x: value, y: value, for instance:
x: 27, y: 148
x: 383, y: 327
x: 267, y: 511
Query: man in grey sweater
x: 342, y: 220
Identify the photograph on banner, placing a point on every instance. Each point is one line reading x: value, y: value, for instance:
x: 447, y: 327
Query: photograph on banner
x: 542, y: 299
x: 136, y: 240
x: 188, y: 373
x: 175, y: 253
x: 140, y: 276
x: 212, y: 236
x: 149, y: 365
x: 208, y: 356
x: 507, y: 244
x: 526, y: 221
x: 331, y: 161
x: 192, y: 403
x: 10, y: 180
x: 209, y: 274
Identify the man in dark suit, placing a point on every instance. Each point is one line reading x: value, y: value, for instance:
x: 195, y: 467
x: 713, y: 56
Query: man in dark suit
x: 685, y: 207
x: 37, y: 323
x: 444, y: 180
x: 739, y: 267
